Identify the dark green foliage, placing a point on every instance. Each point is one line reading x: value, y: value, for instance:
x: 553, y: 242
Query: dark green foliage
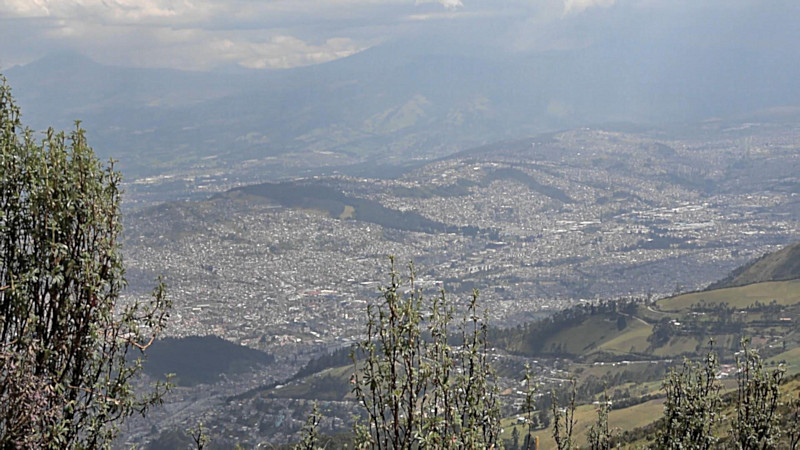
x: 458, y: 189
x: 67, y: 345
x: 171, y: 440
x: 318, y: 387
x: 341, y: 441
x: 197, y: 359
x: 515, y: 443
x: 336, y: 358
x: 529, y: 339
x: 662, y: 333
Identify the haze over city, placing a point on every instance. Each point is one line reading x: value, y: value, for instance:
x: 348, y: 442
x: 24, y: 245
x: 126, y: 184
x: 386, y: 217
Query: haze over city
x: 618, y: 179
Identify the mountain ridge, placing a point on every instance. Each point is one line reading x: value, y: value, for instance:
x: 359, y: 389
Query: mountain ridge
x: 782, y: 265
x: 368, y: 107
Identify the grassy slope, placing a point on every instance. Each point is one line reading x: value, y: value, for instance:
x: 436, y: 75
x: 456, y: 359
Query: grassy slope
x: 781, y: 265
x: 784, y: 292
x: 632, y: 339
x: 789, y: 390
x: 586, y: 337
x: 586, y: 415
x: 599, y: 334
x: 329, y: 384
x: 791, y: 359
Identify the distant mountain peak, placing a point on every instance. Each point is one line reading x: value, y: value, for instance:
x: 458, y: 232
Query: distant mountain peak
x: 60, y: 59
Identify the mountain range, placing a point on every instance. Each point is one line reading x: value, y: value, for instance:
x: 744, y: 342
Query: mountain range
x: 391, y: 104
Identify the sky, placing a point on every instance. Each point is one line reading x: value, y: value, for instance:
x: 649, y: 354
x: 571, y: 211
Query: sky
x: 276, y: 34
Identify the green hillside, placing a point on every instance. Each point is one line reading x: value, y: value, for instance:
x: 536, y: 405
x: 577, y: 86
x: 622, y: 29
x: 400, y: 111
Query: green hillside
x: 640, y: 432
x: 790, y: 359
x: 580, y: 331
x: 614, y: 333
x: 329, y: 384
x: 778, y: 266
x: 670, y: 328
x: 784, y: 293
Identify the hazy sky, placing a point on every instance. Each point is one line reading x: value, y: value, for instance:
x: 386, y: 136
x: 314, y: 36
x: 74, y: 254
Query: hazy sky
x: 205, y: 34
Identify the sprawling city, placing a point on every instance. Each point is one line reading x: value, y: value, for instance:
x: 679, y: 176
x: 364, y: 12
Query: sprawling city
x: 399, y: 224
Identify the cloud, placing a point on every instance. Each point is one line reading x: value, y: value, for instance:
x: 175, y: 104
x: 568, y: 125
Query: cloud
x: 120, y: 11
x: 579, y: 6
x: 24, y: 8
x: 283, y: 52
x: 463, y: 15
x: 197, y: 49
x: 184, y: 34
x: 204, y: 34
x: 449, y: 4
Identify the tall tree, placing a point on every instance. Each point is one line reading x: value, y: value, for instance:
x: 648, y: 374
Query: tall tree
x: 65, y: 336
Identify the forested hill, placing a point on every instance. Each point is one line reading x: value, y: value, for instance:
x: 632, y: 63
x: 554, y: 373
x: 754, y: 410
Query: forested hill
x: 778, y: 266
x: 201, y: 359
x: 311, y: 194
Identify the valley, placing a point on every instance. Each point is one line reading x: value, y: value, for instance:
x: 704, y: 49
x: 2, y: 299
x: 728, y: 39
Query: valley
x: 617, y: 351
x: 537, y: 225
x: 438, y: 224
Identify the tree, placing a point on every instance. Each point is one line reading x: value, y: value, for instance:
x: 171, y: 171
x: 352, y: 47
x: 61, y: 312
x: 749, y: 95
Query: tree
x: 416, y: 388
x: 309, y: 433
x: 755, y: 425
x: 530, y: 441
x: 514, y: 445
x: 564, y: 419
x: 600, y: 435
x: 65, y: 337
x: 691, y: 408
x: 793, y: 423
x: 199, y: 437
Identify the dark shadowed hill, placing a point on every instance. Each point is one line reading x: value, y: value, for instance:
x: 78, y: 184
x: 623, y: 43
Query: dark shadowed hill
x: 779, y: 266
x: 313, y: 195
x: 201, y: 359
